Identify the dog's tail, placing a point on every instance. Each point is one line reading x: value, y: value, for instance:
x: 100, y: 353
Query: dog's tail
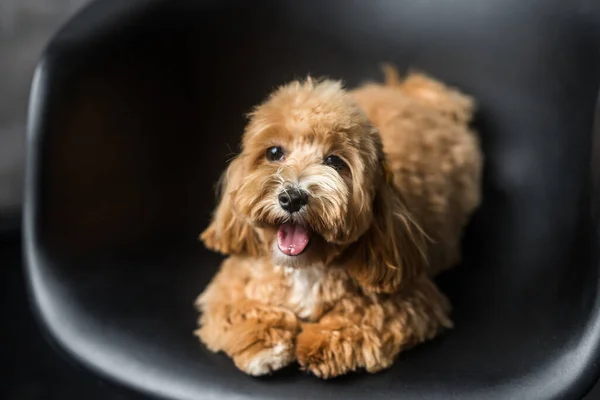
x: 447, y: 100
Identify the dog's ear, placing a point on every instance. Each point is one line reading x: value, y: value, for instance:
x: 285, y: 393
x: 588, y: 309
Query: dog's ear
x: 228, y: 233
x: 392, y: 253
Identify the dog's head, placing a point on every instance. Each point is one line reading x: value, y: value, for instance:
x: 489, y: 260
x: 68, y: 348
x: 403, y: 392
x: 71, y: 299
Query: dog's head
x: 311, y: 187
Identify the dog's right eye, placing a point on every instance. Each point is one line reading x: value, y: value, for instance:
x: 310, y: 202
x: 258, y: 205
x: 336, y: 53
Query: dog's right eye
x: 275, y: 153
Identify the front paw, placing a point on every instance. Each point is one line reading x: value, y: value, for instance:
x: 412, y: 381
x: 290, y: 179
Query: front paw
x: 261, y: 359
x: 328, y: 352
x: 258, y: 348
x: 258, y: 338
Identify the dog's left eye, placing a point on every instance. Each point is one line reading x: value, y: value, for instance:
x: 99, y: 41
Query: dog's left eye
x: 335, y: 162
x: 275, y: 153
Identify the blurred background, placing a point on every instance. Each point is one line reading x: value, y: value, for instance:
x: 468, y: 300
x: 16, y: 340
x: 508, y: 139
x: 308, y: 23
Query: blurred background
x: 25, y: 27
x: 35, y: 369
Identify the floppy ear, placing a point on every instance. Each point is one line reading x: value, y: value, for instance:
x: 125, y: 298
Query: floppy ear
x: 228, y: 233
x: 393, y: 250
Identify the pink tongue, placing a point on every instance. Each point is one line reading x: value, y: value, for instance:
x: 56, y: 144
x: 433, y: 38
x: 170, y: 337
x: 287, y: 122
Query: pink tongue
x: 292, y: 239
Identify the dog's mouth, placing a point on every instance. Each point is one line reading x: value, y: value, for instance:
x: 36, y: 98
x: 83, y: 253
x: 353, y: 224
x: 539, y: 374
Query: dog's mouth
x: 293, y: 239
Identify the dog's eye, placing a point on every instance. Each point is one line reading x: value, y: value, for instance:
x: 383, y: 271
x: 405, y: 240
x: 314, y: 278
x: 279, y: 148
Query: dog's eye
x: 275, y: 153
x: 335, y: 162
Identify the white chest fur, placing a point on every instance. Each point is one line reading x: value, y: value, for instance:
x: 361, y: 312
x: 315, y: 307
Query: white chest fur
x: 305, y: 291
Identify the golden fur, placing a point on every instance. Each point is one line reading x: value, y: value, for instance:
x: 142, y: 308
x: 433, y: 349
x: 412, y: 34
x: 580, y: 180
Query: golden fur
x: 362, y: 291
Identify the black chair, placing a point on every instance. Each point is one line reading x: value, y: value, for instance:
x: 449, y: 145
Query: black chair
x: 136, y: 106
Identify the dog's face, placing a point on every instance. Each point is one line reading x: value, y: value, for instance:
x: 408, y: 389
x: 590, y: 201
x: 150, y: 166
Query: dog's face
x: 308, y: 184
x: 310, y: 158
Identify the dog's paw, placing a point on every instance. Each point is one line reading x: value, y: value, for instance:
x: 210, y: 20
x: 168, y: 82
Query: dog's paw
x: 260, y: 339
x: 260, y: 360
x: 327, y: 352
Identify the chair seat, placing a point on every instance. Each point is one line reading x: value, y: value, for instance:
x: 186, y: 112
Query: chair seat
x: 137, y: 105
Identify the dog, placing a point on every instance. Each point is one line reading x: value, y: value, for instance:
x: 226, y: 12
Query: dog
x: 340, y: 208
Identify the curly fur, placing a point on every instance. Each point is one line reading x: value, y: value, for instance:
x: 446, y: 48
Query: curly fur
x: 362, y: 291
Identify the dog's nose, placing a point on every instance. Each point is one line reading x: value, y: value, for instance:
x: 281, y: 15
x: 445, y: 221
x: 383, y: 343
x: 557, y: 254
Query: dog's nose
x: 292, y: 200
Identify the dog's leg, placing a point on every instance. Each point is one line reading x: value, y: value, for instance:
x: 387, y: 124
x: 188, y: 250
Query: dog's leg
x: 258, y: 337
x: 369, y: 331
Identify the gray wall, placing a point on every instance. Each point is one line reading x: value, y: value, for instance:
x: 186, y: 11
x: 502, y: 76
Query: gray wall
x: 25, y: 27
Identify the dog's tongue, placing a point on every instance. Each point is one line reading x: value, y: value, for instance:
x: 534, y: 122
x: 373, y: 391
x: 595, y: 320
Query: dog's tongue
x: 292, y: 239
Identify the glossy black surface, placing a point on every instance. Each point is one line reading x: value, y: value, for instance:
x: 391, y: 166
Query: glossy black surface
x: 32, y: 368
x: 137, y: 105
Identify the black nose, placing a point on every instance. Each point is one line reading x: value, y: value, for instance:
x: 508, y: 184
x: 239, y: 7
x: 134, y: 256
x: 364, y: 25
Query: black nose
x: 292, y: 200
